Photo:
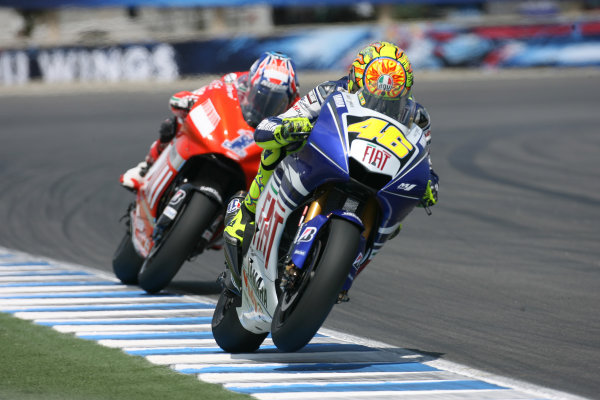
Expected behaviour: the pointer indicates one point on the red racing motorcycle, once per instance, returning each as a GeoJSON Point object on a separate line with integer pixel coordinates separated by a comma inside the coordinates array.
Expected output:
{"type": "Point", "coordinates": [178, 210]}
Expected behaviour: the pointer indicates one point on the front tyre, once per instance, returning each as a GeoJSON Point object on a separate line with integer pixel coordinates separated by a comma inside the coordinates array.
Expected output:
{"type": "Point", "coordinates": [227, 330]}
{"type": "Point", "coordinates": [178, 243]}
{"type": "Point", "coordinates": [302, 310]}
{"type": "Point", "coordinates": [127, 262]}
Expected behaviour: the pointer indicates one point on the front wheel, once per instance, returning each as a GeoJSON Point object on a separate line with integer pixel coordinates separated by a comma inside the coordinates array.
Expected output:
{"type": "Point", "coordinates": [178, 243]}
{"type": "Point", "coordinates": [227, 330]}
{"type": "Point", "coordinates": [302, 309]}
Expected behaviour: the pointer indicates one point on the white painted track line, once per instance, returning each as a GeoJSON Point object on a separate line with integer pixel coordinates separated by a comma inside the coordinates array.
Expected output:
{"type": "Point", "coordinates": [174, 331]}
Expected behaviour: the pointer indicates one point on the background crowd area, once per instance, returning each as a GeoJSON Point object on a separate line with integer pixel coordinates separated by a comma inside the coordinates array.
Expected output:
{"type": "Point", "coordinates": [140, 40]}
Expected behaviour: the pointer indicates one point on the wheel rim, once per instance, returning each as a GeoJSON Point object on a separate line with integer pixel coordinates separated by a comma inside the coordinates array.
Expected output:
{"type": "Point", "coordinates": [290, 298]}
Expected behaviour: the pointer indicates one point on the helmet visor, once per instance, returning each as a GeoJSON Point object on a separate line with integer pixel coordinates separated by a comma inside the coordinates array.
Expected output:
{"type": "Point", "coordinates": [262, 101]}
{"type": "Point", "coordinates": [394, 108]}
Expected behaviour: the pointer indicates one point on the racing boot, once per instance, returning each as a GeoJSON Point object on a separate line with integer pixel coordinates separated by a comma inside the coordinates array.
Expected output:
{"type": "Point", "coordinates": [239, 225]}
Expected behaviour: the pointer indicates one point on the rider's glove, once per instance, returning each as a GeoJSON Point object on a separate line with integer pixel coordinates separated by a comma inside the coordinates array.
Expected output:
{"type": "Point", "coordinates": [292, 130]}
{"type": "Point", "coordinates": [167, 130]}
{"type": "Point", "coordinates": [430, 197]}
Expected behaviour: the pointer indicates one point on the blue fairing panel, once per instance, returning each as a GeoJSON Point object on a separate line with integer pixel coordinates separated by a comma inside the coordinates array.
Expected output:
{"type": "Point", "coordinates": [328, 133]}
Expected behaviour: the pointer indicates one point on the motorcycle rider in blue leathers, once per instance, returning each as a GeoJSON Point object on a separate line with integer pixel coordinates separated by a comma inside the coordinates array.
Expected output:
{"type": "Point", "coordinates": [277, 136]}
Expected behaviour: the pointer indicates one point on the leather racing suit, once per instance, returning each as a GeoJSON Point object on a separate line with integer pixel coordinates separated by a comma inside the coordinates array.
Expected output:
{"type": "Point", "coordinates": [309, 107]}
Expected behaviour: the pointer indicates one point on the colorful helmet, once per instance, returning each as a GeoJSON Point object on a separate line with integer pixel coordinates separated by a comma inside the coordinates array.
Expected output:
{"type": "Point", "coordinates": [272, 87]}
{"type": "Point", "coordinates": [383, 75]}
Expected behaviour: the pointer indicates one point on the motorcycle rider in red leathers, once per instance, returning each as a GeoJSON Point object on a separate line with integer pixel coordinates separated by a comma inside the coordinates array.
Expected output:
{"type": "Point", "coordinates": [275, 133]}
{"type": "Point", "coordinates": [269, 88]}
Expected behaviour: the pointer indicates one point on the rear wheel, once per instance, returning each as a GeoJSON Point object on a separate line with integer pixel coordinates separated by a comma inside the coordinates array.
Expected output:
{"type": "Point", "coordinates": [303, 308]}
{"type": "Point", "coordinates": [178, 243]}
{"type": "Point", "coordinates": [127, 262]}
{"type": "Point", "coordinates": [227, 330]}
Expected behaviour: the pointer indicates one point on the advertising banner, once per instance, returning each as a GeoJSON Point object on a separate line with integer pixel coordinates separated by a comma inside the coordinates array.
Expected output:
{"type": "Point", "coordinates": [429, 46]}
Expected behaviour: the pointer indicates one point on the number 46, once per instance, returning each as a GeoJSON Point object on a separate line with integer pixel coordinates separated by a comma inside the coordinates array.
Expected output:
{"type": "Point", "coordinates": [384, 133]}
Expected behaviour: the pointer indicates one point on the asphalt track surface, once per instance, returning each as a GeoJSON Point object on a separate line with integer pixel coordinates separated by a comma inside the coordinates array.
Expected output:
{"type": "Point", "coordinates": [503, 277]}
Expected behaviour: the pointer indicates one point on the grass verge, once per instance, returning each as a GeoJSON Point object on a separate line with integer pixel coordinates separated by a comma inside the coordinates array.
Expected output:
{"type": "Point", "coordinates": [36, 362]}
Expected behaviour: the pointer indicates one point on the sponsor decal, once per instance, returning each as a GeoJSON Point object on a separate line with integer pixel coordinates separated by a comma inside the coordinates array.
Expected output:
{"type": "Point", "coordinates": [233, 206]}
{"type": "Point", "coordinates": [385, 83]}
{"type": "Point", "coordinates": [230, 78]}
{"type": "Point", "coordinates": [231, 92]}
{"type": "Point", "coordinates": [207, 235]}
{"type": "Point", "coordinates": [177, 197]}
{"type": "Point", "coordinates": [216, 84]}
{"type": "Point", "coordinates": [205, 118]}
{"type": "Point", "coordinates": [267, 125]}
{"type": "Point", "coordinates": [170, 212]}
{"type": "Point", "coordinates": [14, 67]}
{"type": "Point", "coordinates": [106, 64]}
{"type": "Point", "coordinates": [239, 145]}
{"type": "Point", "coordinates": [139, 224]}
{"type": "Point", "coordinates": [358, 260]}
{"type": "Point", "coordinates": [350, 214]}
{"type": "Point", "coordinates": [406, 186]}
{"type": "Point", "coordinates": [376, 156]}
{"type": "Point", "coordinates": [213, 191]}
{"type": "Point", "coordinates": [308, 234]}
{"type": "Point", "coordinates": [267, 226]}
{"type": "Point", "coordinates": [257, 293]}
{"type": "Point", "coordinates": [339, 101]}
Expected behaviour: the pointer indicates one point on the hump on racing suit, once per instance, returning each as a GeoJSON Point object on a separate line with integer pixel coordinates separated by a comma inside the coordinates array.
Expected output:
{"type": "Point", "coordinates": [309, 106]}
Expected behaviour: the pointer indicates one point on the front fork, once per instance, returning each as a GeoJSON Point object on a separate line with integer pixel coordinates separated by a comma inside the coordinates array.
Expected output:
{"type": "Point", "coordinates": [312, 221]}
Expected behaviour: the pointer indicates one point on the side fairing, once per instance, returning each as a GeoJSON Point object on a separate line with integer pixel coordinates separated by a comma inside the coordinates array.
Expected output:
{"type": "Point", "coordinates": [216, 125]}
{"type": "Point", "coordinates": [324, 157]}
{"type": "Point", "coordinates": [403, 193]}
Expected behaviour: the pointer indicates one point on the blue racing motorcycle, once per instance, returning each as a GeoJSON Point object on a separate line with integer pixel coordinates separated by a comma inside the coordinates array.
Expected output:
{"type": "Point", "coordinates": [325, 210]}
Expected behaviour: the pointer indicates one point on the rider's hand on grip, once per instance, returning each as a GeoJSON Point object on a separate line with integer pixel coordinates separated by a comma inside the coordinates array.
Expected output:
{"type": "Point", "coordinates": [167, 130]}
{"type": "Point", "coordinates": [431, 195]}
{"type": "Point", "coordinates": [293, 130]}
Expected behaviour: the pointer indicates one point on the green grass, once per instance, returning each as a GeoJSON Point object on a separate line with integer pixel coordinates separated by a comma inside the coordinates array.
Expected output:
{"type": "Point", "coordinates": [37, 362]}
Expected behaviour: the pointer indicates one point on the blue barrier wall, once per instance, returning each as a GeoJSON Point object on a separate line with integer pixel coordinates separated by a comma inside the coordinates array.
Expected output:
{"type": "Point", "coordinates": [429, 46]}
{"type": "Point", "coordinates": [48, 4]}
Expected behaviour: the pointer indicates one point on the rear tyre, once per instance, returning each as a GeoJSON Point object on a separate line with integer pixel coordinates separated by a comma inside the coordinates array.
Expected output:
{"type": "Point", "coordinates": [127, 262]}
{"type": "Point", "coordinates": [227, 330]}
{"type": "Point", "coordinates": [178, 243]}
{"type": "Point", "coordinates": [302, 310]}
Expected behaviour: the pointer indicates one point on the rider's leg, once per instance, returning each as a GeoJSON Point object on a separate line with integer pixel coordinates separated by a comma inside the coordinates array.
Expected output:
{"type": "Point", "coordinates": [239, 219]}
{"type": "Point", "coordinates": [236, 227]}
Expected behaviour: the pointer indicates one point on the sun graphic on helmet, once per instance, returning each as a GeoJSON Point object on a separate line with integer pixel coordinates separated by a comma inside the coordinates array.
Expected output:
{"type": "Point", "coordinates": [372, 58]}
{"type": "Point", "coordinates": [385, 77]}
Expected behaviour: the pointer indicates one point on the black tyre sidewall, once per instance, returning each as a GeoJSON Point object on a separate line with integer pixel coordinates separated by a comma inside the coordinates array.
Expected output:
{"type": "Point", "coordinates": [227, 330]}
{"type": "Point", "coordinates": [181, 239]}
{"type": "Point", "coordinates": [127, 262]}
{"type": "Point", "coordinates": [322, 291]}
